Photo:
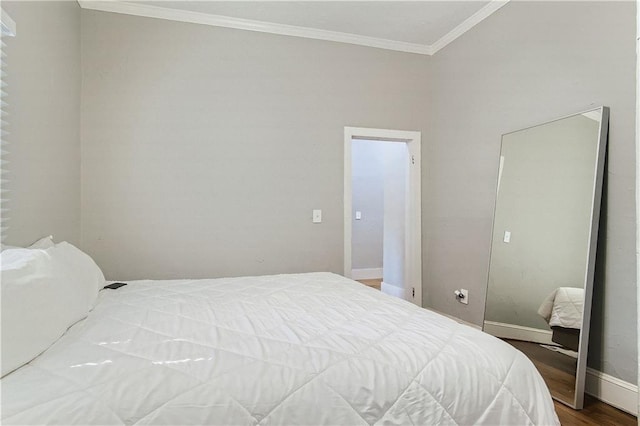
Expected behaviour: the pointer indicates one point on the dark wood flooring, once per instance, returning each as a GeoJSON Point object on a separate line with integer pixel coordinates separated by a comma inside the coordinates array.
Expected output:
{"type": "Point", "coordinates": [594, 413]}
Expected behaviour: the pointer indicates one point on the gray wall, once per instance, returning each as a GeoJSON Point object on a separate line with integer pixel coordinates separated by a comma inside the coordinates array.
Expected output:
{"type": "Point", "coordinates": [528, 63]}
{"type": "Point", "coordinates": [544, 200]}
{"type": "Point", "coordinates": [205, 149]}
{"type": "Point", "coordinates": [368, 198]}
{"type": "Point", "coordinates": [43, 78]}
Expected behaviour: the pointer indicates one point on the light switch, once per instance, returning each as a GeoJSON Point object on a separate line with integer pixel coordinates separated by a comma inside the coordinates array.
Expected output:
{"type": "Point", "coordinates": [507, 236]}
{"type": "Point", "coordinates": [317, 216]}
{"type": "Point", "coordinates": [358, 215]}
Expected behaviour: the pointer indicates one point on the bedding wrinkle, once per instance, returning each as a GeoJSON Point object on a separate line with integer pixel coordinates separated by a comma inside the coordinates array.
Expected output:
{"type": "Point", "coordinates": [61, 397]}
{"type": "Point", "coordinates": [500, 389]}
{"type": "Point", "coordinates": [151, 413]}
{"type": "Point", "coordinates": [349, 404]}
{"type": "Point", "coordinates": [298, 389]}
{"type": "Point", "coordinates": [415, 379]}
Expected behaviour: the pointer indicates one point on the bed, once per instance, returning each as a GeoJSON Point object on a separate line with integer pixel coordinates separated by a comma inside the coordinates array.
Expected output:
{"type": "Point", "coordinates": [562, 310]}
{"type": "Point", "coordinates": [313, 348]}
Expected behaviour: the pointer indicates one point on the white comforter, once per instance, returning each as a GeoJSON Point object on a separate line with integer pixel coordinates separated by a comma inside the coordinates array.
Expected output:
{"type": "Point", "coordinates": [287, 349]}
{"type": "Point", "coordinates": [563, 307]}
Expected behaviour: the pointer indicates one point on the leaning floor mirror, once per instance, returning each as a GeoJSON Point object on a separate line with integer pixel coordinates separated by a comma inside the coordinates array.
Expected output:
{"type": "Point", "coordinates": [543, 249]}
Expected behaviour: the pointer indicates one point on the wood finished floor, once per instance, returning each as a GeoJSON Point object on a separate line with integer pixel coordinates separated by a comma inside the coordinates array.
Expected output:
{"type": "Point", "coordinates": [375, 283]}
{"type": "Point", "coordinates": [594, 413]}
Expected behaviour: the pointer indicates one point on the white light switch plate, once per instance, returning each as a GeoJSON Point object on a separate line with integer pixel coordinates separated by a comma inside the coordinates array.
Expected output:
{"type": "Point", "coordinates": [358, 215]}
{"type": "Point", "coordinates": [507, 236]}
{"type": "Point", "coordinates": [317, 216]}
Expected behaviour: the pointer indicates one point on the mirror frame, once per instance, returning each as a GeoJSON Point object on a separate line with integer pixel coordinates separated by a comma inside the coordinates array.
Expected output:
{"type": "Point", "coordinates": [596, 201]}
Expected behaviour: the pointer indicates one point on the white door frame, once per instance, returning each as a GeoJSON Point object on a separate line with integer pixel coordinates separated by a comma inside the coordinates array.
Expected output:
{"type": "Point", "coordinates": [413, 232]}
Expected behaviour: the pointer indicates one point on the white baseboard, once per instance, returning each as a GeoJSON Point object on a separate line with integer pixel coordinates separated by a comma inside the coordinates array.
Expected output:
{"type": "Point", "coordinates": [394, 291]}
{"type": "Point", "coordinates": [366, 273]}
{"type": "Point", "coordinates": [518, 332]}
{"type": "Point", "coordinates": [613, 391]}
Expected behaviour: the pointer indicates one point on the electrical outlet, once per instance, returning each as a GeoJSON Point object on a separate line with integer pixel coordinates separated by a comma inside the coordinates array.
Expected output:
{"type": "Point", "coordinates": [462, 296]}
{"type": "Point", "coordinates": [465, 293]}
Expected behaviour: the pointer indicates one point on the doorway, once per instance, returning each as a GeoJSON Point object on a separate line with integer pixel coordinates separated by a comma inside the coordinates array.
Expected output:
{"type": "Point", "coordinates": [382, 209]}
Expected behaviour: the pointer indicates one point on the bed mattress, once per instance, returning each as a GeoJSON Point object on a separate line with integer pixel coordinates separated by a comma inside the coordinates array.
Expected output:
{"type": "Point", "coordinates": [285, 349]}
{"type": "Point", "coordinates": [563, 308]}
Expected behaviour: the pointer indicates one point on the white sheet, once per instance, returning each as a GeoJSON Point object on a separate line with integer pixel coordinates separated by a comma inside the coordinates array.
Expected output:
{"type": "Point", "coordinates": [563, 307]}
{"type": "Point", "coordinates": [287, 349]}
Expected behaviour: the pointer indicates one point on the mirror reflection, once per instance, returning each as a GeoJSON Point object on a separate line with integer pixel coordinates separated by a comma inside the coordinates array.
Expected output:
{"type": "Point", "coordinates": [543, 246]}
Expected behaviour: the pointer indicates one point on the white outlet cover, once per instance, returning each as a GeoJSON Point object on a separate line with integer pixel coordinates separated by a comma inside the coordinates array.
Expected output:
{"type": "Point", "coordinates": [465, 299]}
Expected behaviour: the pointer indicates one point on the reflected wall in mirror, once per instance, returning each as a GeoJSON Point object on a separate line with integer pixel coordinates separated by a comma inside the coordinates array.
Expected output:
{"type": "Point", "coordinates": [543, 247]}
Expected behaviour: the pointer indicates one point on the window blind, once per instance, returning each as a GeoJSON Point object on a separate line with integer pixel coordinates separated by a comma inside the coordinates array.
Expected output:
{"type": "Point", "coordinates": [8, 29]}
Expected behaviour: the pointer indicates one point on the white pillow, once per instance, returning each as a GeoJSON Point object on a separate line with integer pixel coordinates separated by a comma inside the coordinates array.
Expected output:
{"type": "Point", "coordinates": [44, 292]}
{"type": "Point", "coordinates": [86, 278]}
{"type": "Point", "coordinates": [42, 244]}
{"type": "Point", "coordinates": [37, 305]}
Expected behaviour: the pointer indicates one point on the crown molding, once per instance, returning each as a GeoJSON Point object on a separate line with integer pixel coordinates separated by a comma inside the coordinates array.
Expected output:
{"type": "Point", "coordinates": [158, 12]}
{"type": "Point", "coordinates": [250, 25]}
{"type": "Point", "coordinates": [467, 24]}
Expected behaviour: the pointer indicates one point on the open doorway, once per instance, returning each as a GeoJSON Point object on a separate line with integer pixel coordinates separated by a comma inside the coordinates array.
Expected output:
{"type": "Point", "coordinates": [383, 210]}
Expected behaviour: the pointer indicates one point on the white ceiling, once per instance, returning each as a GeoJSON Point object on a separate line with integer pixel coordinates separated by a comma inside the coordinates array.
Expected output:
{"type": "Point", "coordinates": [421, 22]}
{"type": "Point", "coordinates": [409, 26]}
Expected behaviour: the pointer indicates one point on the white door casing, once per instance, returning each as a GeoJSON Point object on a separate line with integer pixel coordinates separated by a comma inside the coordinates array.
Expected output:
{"type": "Point", "coordinates": [413, 233]}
